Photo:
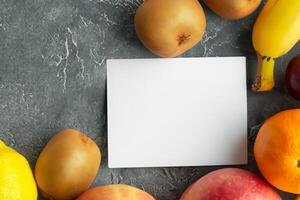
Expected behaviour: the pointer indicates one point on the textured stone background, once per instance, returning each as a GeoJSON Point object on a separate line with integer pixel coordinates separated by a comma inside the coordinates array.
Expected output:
{"type": "Point", "coordinates": [52, 76]}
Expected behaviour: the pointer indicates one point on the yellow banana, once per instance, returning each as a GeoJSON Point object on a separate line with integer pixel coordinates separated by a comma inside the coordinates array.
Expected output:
{"type": "Point", "coordinates": [276, 31]}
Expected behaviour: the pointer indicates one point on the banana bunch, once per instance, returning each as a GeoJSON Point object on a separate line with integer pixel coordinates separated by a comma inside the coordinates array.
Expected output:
{"type": "Point", "coordinates": [276, 31]}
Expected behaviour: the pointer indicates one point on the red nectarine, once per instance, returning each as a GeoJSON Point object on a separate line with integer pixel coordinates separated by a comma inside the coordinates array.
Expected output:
{"type": "Point", "coordinates": [115, 192]}
{"type": "Point", "coordinates": [229, 184]}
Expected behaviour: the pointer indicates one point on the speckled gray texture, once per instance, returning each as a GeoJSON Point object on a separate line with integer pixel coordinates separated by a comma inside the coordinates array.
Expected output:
{"type": "Point", "coordinates": [52, 76]}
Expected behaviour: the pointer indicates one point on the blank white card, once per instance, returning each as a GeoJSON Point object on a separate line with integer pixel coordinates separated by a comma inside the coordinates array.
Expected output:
{"type": "Point", "coordinates": [177, 112]}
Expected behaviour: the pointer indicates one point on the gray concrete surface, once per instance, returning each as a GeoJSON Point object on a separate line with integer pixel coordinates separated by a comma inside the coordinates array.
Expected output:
{"type": "Point", "coordinates": [52, 76]}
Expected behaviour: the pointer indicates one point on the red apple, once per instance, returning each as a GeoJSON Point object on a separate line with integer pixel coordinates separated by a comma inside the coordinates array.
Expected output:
{"type": "Point", "coordinates": [292, 77]}
{"type": "Point", "coordinates": [230, 184]}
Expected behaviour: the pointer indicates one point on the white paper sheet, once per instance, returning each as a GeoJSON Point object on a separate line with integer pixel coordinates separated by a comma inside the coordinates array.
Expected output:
{"type": "Point", "coordinates": [177, 112]}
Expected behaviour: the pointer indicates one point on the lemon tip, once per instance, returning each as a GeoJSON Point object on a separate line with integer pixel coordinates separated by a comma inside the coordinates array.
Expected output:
{"type": "Point", "coordinates": [2, 144]}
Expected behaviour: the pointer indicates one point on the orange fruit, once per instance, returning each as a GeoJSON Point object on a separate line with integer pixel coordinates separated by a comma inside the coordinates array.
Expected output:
{"type": "Point", "coordinates": [277, 150]}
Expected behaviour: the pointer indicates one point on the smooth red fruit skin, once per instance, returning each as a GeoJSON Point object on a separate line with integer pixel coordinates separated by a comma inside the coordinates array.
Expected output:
{"type": "Point", "coordinates": [115, 192]}
{"type": "Point", "coordinates": [230, 184]}
{"type": "Point", "coordinates": [292, 77]}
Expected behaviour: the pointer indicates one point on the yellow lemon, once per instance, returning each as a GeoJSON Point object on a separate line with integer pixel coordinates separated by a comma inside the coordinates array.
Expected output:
{"type": "Point", "coordinates": [16, 179]}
